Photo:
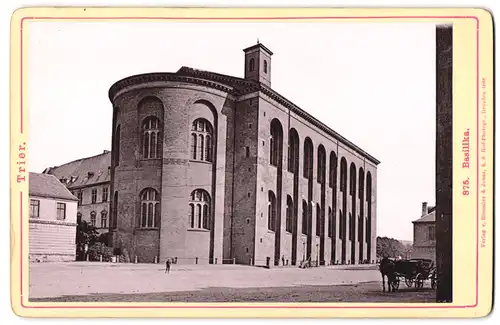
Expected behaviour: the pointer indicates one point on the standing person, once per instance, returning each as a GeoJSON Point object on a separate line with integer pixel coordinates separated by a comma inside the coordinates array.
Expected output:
{"type": "Point", "coordinates": [167, 266]}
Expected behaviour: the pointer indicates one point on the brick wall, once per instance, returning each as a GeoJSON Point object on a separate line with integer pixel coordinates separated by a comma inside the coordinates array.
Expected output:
{"type": "Point", "coordinates": [174, 176]}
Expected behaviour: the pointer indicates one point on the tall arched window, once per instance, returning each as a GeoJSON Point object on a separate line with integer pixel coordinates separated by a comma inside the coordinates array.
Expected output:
{"type": "Point", "coordinates": [361, 194]}
{"type": "Point", "coordinates": [289, 214]}
{"type": "Point", "coordinates": [308, 158]}
{"type": "Point", "coordinates": [304, 217]}
{"type": "Point", "coordinates": [368, 208]}
{"type": "Point", "coordinates": [265, 66]}
{"type": "Point", "coordinates": [271, 212]}
{"type": "Point", "coordinates": [151, 138]}
{"type": "Point", "coordinates": [104, 219]}
{"type": "Point", "coordinates": [201, 140]}
{"type": "Point", "coordinates": [343, 175]}
{"type": "Point", "coordinates": [276, 143]}
{"type": "Point", "coordinates": [321, 164]}
{"type": "Point", "coordinates": [93, 218]}
{"type": "Point", "coordinates": [150, 208]}
{"type": "Point", "coordinates": [293, 151]}
{"type": "Point", "coordinates": [199, 210]}
{"type": "Point", "coordinates": [318, 220]}
{"type": "Point", "coordinates": [333, 171]}
{"type": "Point", "coordinates": [251, 65]}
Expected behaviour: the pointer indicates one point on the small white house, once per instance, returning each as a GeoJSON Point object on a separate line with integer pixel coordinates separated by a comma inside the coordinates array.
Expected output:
{"type": "Point", "coordinates": [52, 220]}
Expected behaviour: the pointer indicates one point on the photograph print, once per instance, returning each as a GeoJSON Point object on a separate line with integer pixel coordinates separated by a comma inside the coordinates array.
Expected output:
{"type": "Point", "coordinates": [239, 161]}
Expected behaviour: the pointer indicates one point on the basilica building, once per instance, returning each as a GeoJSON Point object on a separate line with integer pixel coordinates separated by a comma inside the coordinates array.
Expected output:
{"type": "Point", "coordinates": [211, 168]}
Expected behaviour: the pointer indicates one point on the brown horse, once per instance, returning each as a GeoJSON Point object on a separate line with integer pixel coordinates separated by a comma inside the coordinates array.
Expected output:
{"type": "Point", "coordinates": [387, 268]}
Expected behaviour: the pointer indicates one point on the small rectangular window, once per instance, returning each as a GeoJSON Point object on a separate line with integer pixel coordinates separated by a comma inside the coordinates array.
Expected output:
{"type": "Point", "coordinates": [34, 208]}
{"type": "Point", "coordinates": [61, 211]}
{"type": "Point", "coordinates": [247, 151]}
{"type": "Point", "coordinates": [105, 194]}
{"type": "Point", "coordinates": [432, 233]}
{"type": "Point", "coordinates": [250, 126]}
{"type": "Point", "coordinates": [94, 195]}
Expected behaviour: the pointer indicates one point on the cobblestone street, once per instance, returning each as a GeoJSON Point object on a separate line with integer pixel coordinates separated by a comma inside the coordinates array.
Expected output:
{"type": "Point", "coordinates": [212, 283]}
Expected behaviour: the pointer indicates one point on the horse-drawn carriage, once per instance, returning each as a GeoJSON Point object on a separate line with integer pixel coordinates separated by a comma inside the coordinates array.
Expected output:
{"type": "Point", "coordinates": [415, 272]}
{"type": "Point", "coordinates": [412, 272]}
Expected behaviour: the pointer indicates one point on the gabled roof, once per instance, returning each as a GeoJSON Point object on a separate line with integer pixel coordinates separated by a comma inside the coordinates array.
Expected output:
{"type": "Point", "coordinates": [84, 172]}
{"type": "Point", "coordinates": [48, 186]}
{"type": "Point", "coordinates": [430, 217]}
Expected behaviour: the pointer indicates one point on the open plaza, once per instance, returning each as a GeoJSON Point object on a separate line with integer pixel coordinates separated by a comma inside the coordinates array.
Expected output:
{"type": "Point", "coordinates": [115, 282]}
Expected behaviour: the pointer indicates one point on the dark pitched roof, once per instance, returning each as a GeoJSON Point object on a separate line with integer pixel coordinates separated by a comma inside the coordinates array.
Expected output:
{"type": "Point", "coordinates": [84, 172]}
{"type": "Point", "coordinates": [45, 185]}
{"type": "Point", "coordinates": [430, 217]}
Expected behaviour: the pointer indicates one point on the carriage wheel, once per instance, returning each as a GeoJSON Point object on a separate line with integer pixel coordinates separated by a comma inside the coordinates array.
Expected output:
{"type": "Point", "coordinates": [433, 283]}
{"type": "Point", "coordinates": [419, 281]}
{"type": "Point", "coordinates": [409, 282]}
{"type": "Point", "coordinates": [395, 284]}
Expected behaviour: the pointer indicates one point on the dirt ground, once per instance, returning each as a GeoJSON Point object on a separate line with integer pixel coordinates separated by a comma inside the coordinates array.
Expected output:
{"type": "Point", "coordinates": [102, 282]}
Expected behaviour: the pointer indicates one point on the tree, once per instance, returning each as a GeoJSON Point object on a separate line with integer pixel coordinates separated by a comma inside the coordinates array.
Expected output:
{"type": "Point", "coordinates": [86, 234]}
{"type": "Point", "coordinates": [390, 247]}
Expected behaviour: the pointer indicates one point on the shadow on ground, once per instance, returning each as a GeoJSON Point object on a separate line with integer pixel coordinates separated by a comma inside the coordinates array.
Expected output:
{"type": "Point", "coordinates": [362, 292]}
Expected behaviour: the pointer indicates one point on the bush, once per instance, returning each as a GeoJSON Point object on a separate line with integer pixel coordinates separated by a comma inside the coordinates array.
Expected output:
{"type": "Point", "coordinates": [98, 249]}
{"type": "Point", "coordinates": [124, 257]}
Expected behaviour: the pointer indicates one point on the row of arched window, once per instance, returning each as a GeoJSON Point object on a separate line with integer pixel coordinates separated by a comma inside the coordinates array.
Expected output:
{"type": "Point", "coordinates": [152, 144]}
{"type": "Point", "coordinates": [251, 65]}
{"type": "Point", "coordinates": [276, 144]}
{"type": "Point", "coordinates": [290, 219]}
{"type": "Point", "coordinates": [199, 209]}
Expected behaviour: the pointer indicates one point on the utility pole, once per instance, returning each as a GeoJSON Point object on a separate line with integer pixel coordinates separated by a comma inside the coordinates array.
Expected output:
{"type": "Point", "coordinates": [444, 150]}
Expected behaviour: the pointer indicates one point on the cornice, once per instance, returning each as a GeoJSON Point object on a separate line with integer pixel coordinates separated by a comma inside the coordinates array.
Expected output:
{"type": "Point", "coordinates": [210, 79]}
{"type": "Point", "coordinates": [165, 77]}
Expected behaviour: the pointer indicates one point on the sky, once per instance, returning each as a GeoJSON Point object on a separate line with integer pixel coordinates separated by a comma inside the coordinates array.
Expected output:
{"type": "Point", "coordinates": [374, 83]}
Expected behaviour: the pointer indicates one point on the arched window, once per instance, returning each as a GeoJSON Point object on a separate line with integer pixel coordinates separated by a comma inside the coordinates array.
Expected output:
{"type": "Point", "coordinates": [368, 208]}
{"type": "Point", "coordinates": [361, 194]}
{"type": "Point", "coordinates": [333, 171]}
{"type": "Point", "coordinates": [308, 158]}
{"type": "Point", "coordinates": [199, 210]}
{"type": "Point", "coordinates": [251, 65]}
{"type": "Point", "coordinates": [201, 140]}
{"type": "Point", "coordinates": [104, 219]}
{"type": "Point", "coordinates": [151, 138]}
{"type": "Point", "coordinates": [271, 212]}
{"type": "Point", "coordinates": [93, 218]}
{"type": "Point", "coordinates": [289, 214]}
{"type": "Point", "coordinates": [150, 208]}
{"type": "Point", "coordinates": [318, 220]}
{"type": "Point", "coordinates": [321, 164]}
{"type": "Point", "coordinates": [293, 151]}
{"type": "Point", "coordinates": [304, 217]}
{"type": "Point", "coordinates": [343, 175]}
{"type": "Point", "coordinates": [265, 66]}
{"type": "Point", "coordinates": [276, 143]}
